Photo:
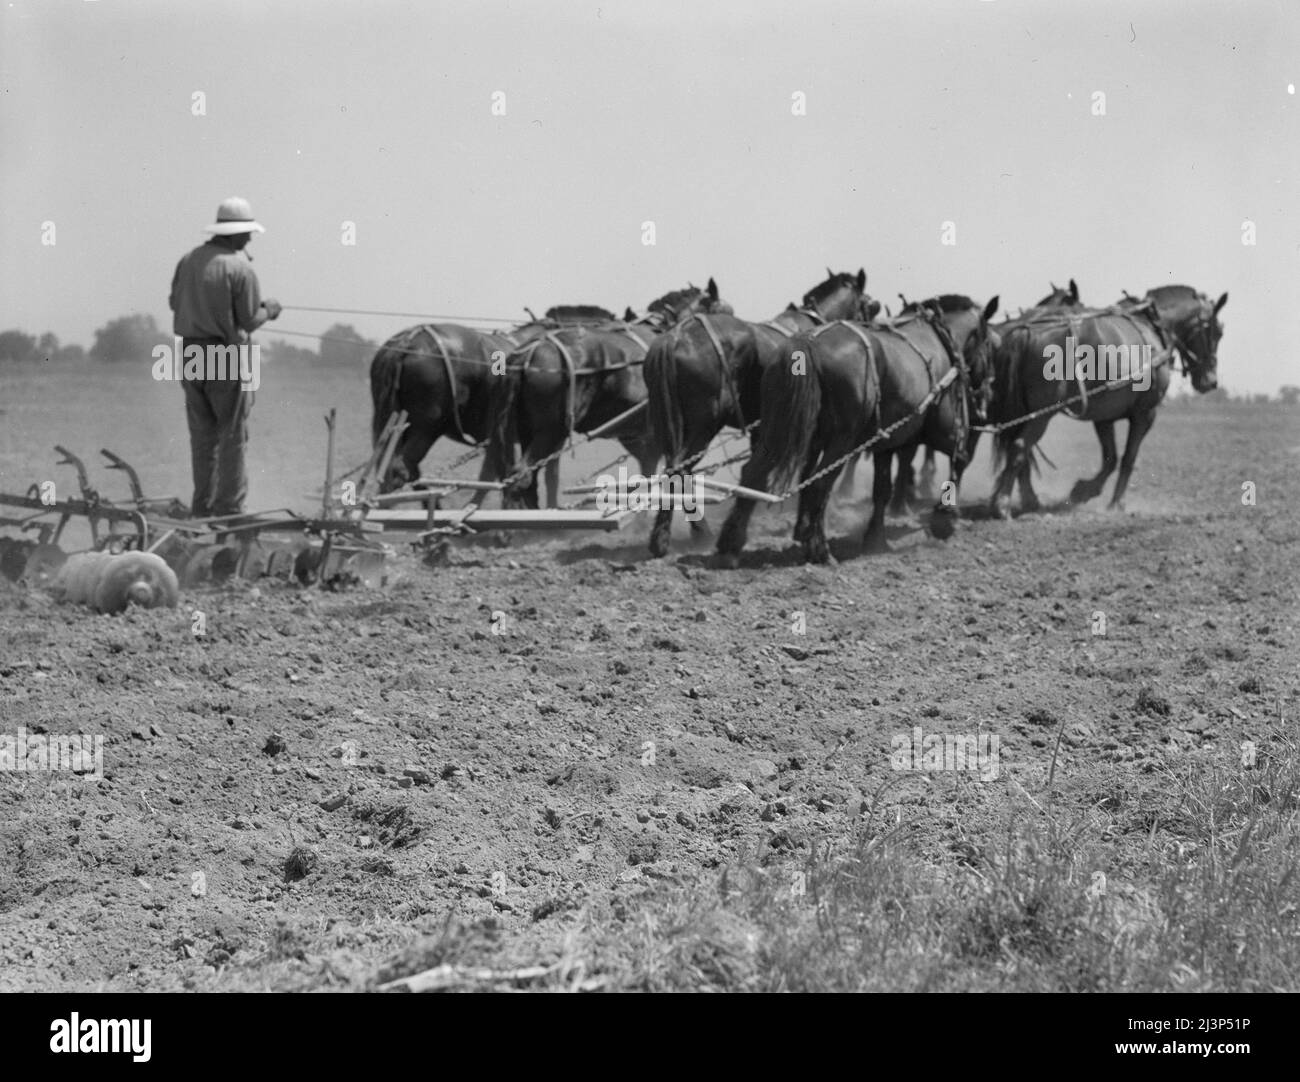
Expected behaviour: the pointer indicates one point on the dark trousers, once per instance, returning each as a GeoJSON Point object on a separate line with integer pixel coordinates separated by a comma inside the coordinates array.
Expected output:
{"type": "Point", "coordinates": [217, 411]}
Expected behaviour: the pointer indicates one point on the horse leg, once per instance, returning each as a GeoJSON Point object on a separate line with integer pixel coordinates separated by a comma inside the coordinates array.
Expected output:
{"type": "Point", "coordinates": [523, 493]}
{"type": "Point", "coordinates": [413, 446]}
{"type": "Point", "coordinates": [905, 482]}
{"type": "Point", "coordinates": [804, 515]}
{"type": "Point", "coordinates": [735, 531]}
{"type": "Point", "coordinates": [925, 493]}
{"type": "Point", "coordinates": [1089, 488]}
{"type": "Point", "coordinates": [943, 522]}
{"type": "Point", "coordinates": [1138, 426]}
{"type": "Point", "coordinates": [1017, 458]}
{"type": "Point", "coordinates": [848, 479]}
{"type": "Point", "coordinates": [1029, 501]}
{"type": "Point", "coordinates": [817, 548]}
{"type": "Point", "coordinates": [485, 473]}
{"type": "Point", "coordinates": [882, 485]}
{"type": "Point", "coordinates": [552, 472]}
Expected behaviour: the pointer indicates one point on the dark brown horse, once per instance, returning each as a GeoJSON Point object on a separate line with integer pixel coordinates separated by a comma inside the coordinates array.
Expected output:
{"type": "Point", "coordinates": [706, 374]}
{"type": "Point", "coordinates": [906, 491]}
{"type": "Point", "coordinates": [440, 374]}
{"type": "Point", "coordinates": [835, 388]}
{"type": "Point", "coordinates": [1117, 361]}
{"type": "Point", "coordinates": [576, 380]}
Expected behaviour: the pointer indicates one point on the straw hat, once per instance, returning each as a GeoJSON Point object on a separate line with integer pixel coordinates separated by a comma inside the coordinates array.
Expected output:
{"type": "Point", "coordinates": [234, 216]}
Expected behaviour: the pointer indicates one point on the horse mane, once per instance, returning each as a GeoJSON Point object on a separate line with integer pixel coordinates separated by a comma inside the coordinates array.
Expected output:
{"type": "Point", "coordinates": [579, 313]}
{"type": "Point", "coordinates": [674, 301]}
{"type": "Point", "coordinates": [832, 284]}
{"type": "Point", "coordinates": [947, 302]}
{"type": "Point", "coordinates": [1165, 294]}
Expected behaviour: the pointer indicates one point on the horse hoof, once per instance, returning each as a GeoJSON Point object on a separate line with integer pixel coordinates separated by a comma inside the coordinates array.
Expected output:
{"type": "Point", "coordinates": [658, 546]}
{"type": "Point", "coordinates": [943, 524]}
{"type": "Point", "coordinates": [818, 553]}
{"type": "Point", "coordinates": [1082, 492]}
{"type": "Point", "coordinates": [725, 561]}
{"type": "Point", "coordinates": [700, 529]}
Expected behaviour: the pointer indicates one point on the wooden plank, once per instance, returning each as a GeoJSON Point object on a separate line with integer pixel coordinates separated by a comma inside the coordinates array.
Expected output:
{"type": "Point", "coordinates": [481, 519]}
{"type": "Point", "coordinates": [453, 483]}
{"type": "Point", "coordinates": [739, 490]}
{"type": "Point", "coordinates": [616, 421]}
{"type": "Point", "coordinates": [423, 496]}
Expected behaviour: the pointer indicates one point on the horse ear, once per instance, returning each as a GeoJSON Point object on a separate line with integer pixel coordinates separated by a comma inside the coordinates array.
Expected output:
{"type": "Point", "coordinates": [830, 273]}
{"type": "Point", "coordinates": [1074, 290]}
{"type": "Point", "coordinates": [629, 316]}
{"type": "Point", "coordinates": [713, 289]}
{"type": "Point", "coordinates": [990, 309]}
{"type": "Point", "coordinates": [862, 279]}
{"type": "Point", "coordinates": [1220, 303]}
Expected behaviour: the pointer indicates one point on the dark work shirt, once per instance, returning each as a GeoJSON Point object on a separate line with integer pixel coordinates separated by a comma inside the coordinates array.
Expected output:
{"type": "Point", "coordinates": [215, 295]}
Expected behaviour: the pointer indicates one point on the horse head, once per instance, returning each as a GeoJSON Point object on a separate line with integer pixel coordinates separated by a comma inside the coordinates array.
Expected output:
{"type": "Point", "coordinates": [1061, 297]}
{"type": "Point", "coordinates": [980, 349]}
{"type": "Point", "coordinates": [841, 296]}
{"type": "Point", "coordinates": [672, 308]}
{"type": "Point", "coordinates": [1192, 321]}
{"type": "Point", "coordinates": [965, 329]}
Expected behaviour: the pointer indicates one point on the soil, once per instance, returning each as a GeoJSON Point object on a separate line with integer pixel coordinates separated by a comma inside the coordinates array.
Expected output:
{"type": "Point", "coordinates": [304, 794]}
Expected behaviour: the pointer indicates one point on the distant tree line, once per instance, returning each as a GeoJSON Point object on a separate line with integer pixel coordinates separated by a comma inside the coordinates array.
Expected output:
{"type": "Point", "coordinates": [1287, 395]}
{"type": "Point", "coordinates": [133, 338]}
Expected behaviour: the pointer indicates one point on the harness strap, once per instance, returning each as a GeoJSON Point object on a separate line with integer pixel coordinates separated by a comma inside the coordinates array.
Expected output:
{"type": "Point", "coordinates": [962, 406]}
{"type": "Point", "coordinates": [635, 337]}
{"type": "Point", "coordinates": [855, 328]}
{"type": "Point", "coordinates": [929, 369]}
{"type": "Point", "coordinates": [570, 371]}
{"type": "Point", "coordinates": [728, 376]}
{"type": "Point", "coordinates": [441, 347]}
{"type": "Point", "coordinates": [872, 366]}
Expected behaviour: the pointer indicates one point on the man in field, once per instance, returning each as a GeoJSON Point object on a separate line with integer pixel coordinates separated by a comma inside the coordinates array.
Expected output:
{"type": "Point", "coordinates": [216, 302]}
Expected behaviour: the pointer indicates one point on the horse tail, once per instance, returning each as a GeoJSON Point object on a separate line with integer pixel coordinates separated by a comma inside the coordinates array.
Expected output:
{"type": "Point", "coordinates": [1009, 392]}
{"type": "Point", "coordinates": [792, 402]}
{"type": "Point", "coordinates": [502, 429]}
{"type": "Point", "coordinates": [665, 407]}
{"type": "Point", "coordinates": [385, 381]}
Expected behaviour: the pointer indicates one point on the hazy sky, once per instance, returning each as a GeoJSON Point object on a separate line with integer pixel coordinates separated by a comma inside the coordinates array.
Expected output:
{"type": "Point", "coordinates": [380, 113]}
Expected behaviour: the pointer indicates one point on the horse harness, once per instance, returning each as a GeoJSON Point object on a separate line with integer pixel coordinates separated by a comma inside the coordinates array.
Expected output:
{"type": "Point", "coordinates": [955, 359]}
{"type": "Point", "coordinates": [572, 371]}
{"type": "Point", "coordinates": [728, 376]}
{"type": "Point", "coordinates": [440, 346]}
{"type": "Point", "coordinates": [861, 334]}
{"type": "Point", "coordinates": [817, 318]}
